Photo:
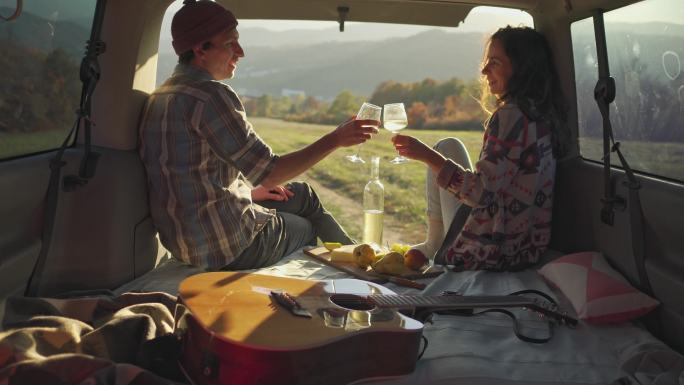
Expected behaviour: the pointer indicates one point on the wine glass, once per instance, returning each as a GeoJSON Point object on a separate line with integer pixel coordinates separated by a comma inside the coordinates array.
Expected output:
{"type": "Point", "coordinates": [394, 119]}
{"type": "Point", "coordinates": [367, 111]}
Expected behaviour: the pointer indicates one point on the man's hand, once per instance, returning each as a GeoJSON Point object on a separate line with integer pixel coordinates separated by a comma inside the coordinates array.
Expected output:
{"type": "Point", "coordinates": [277, 193]}
{"type": "Point", "coordinates": [347, 134]}
{"type": "Point", "coordinates": [413, 148]}
{"type": "Point", "coordinates": [354, 131]}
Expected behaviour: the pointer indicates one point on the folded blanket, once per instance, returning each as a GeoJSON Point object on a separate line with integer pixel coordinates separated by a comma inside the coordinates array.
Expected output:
{"type": "Point", "coordinates": [96, 340]}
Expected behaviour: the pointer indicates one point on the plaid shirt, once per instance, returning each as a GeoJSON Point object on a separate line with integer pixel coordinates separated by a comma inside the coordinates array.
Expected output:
{"type": "Point", "coordinates": [201, 154]}
{"type": "Point", "coordinates": [510, 192]}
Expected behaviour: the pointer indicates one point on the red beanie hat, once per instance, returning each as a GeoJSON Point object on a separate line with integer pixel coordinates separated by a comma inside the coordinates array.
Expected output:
{"type": "Point", "coordinates": [197, 22]}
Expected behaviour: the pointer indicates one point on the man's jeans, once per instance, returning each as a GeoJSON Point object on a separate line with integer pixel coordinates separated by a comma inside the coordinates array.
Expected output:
{"type": "Point", "coordinates": [298, 222]}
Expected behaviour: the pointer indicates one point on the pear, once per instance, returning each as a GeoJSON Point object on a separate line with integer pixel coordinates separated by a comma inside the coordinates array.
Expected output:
{"type": "Point", "coordinates": [392, 263]}
{"type": "Point", "coordinates": [364, 255]}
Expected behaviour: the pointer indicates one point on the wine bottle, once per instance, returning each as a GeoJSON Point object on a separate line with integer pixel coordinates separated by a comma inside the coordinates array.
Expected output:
{"type": "Point", "coordinates": [373, 206]}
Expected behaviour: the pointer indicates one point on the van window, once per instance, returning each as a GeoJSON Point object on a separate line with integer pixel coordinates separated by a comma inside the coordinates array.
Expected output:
{"type": "Point", "coordinates": [299, 79]}
{"type": "Point", "coordinates": [645, 49]}
{"type": "Point", "coordinates": [40, 87]}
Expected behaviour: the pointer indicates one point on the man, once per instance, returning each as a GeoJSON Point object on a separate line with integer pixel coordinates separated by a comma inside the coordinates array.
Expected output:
{"type": "Point", "coordinates": [202, 158]}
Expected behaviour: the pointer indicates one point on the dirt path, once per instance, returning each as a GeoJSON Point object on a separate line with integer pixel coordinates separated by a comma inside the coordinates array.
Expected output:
{"type": "Point", "coordinates": [351, 211]}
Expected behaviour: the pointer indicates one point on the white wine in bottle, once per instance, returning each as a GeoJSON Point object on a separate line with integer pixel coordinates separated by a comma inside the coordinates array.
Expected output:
{"type": "Point", "coordinates": [373, 206]}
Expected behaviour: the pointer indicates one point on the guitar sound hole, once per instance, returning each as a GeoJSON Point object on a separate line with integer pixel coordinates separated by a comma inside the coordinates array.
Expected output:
{"type": "Point", "coordinates": [352, 302]}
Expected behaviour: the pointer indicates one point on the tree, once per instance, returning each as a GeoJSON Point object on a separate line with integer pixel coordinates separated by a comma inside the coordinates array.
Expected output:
{"type": "Point", "coordinates": [417, 114]}
{"type": "Point", "coordinates": [250, 105]}
{"type": "Point", "coordinates": [344, 106]}
{"type": "Point", "coordinates": [264, 105]}
{"type": "Point", "coordinates": [280, 107]}
{"type": "Point", "coordinates": [310, 104]}
{"type": "Point", "coordinates": [452, 87]}
{"type": "Point", "coordinates": [451, 105]}
{"type": "Point", "coordinates": [425, 91]}
{"type": "Point", "coordinates": [390, 92]}
{"type": "Point", "coordinates": [61, 86]}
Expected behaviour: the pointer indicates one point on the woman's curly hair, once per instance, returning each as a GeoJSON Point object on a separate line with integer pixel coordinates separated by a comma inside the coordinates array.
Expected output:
{"type": "Point", "coordinates": [534, 85]}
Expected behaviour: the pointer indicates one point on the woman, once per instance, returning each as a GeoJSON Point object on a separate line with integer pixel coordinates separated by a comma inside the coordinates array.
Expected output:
{"type": "Point", "coordinates": [510, 188]}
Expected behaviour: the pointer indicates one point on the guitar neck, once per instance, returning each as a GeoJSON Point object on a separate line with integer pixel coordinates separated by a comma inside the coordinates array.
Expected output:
{"type": "Point", "coordinates": [448, 302]}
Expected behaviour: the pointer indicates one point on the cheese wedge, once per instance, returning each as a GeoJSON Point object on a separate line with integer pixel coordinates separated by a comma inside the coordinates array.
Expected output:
{"type": "Point", "coordinates": [331, 245]}
{"type": "Point", "coordinates": [345, 253]}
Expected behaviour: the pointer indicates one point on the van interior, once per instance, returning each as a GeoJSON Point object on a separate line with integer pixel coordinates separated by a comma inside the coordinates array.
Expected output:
{"type": "Point", "coordinates": [76, 219]}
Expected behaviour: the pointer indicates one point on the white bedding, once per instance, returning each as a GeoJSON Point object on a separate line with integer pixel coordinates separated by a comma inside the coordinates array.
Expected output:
{"type": "Point", "coordinates": [483, 350]}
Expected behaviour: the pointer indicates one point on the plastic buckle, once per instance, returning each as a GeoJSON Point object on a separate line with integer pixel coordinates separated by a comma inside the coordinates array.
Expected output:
{"type": "Point", "coordinates": [605, 89]}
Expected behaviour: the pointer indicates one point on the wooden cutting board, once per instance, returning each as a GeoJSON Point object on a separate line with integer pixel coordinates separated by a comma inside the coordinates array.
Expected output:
{"type": "Point", "coordinates": [323, 255]}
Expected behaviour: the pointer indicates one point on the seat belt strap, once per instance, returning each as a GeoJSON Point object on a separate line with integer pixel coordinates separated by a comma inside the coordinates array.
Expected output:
{"type": "Point", "coordinates": [49, 213]}
{"type": "Point", "coordinates": [604, 94]}
{"type": "Point", "coordinates": [90, 74]}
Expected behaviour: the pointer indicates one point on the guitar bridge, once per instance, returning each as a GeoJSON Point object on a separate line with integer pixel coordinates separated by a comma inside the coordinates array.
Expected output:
{"type": "Point", "coordinates": [290, 303]}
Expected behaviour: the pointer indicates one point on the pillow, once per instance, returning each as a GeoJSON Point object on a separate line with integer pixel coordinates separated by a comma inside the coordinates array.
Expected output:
{"type": "Point", "coordinates": [599, 294]}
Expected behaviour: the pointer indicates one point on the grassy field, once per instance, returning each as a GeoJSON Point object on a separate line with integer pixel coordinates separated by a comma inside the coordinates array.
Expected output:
{"type": "Point", "coordinates": [663, 159]}
{"type": "Point", "coordinates": [404, 184]}
{"type": "Point", "coordinates": [26, 143]}
{"type": "Point", "coordinates": [340, 183]}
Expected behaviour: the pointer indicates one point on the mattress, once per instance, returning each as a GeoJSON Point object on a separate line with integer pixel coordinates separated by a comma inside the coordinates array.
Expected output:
{"type": "Point", "coordinates": [483, 349]}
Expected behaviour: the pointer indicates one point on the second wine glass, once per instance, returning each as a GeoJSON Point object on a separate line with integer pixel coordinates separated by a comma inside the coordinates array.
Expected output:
{"type": "Point", "coordinates": [367, 111]}
{"type": "Point", "coordinates": [394, 119]}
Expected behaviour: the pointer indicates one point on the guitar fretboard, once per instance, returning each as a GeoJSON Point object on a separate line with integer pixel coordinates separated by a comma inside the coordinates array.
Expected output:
{"type": "Point", "coordinates": [452, 302]}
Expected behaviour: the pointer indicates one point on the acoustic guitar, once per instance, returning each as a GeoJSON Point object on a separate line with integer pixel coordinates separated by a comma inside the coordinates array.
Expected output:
{"type": "Point", "coordinates": [243, 328]}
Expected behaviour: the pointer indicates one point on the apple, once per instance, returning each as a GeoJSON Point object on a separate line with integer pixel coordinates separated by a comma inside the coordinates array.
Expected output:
{"type": "Point", "coordinates": [414, 259]}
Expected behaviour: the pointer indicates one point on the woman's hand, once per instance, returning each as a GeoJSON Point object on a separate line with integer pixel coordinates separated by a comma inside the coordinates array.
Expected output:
{"type": "Point", "coordinates": [413, 148]}
{"type": "Point", "coordinates": [277, 193]}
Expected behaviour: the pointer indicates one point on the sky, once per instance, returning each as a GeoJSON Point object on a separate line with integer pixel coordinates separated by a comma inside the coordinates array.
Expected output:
{"type": "Point", "coordinates": [650, 10]}
{"type": "Point", "coordinates": [481, 19]}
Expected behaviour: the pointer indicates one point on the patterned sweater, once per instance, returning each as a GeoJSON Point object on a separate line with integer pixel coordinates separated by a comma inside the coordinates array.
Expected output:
{"type": "Point", "coordinates": [510, 192]}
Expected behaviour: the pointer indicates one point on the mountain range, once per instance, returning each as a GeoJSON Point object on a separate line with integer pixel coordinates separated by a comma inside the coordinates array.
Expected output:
{"type": "Point", "coordinates": [323, 69]}
{"type": "Point", "coordinates": [324, 62]}
{"type": "Point", "coordinates": [321, 63]}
